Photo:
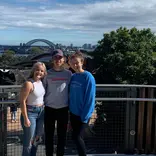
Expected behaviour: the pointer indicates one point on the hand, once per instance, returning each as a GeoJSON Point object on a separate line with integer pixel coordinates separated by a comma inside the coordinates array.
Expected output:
{"type": "Point", "coordinates": [27, 123]}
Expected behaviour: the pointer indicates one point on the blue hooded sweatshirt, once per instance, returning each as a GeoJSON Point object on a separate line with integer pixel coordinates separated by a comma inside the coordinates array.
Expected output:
{"type": "Point", "coordinates": [82, 95]}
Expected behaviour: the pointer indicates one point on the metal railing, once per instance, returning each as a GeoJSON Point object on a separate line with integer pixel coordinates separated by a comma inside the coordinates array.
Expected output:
{"type": "Point", "coordinates": [124, 121]}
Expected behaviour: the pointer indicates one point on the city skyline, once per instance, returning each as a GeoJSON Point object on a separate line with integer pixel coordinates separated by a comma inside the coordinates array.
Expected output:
{"type": "Point", "coordinates": [41, 43]}
{"type": "Point", "coordinates": [71, 22]}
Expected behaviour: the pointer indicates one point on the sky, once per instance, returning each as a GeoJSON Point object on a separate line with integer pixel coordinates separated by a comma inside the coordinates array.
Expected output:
{"type": "Point", "coordinates": [71, 21]}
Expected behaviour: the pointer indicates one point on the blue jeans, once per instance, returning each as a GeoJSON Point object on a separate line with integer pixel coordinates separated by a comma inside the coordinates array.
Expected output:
{"type": "Point", "coordinates": [36, 117]}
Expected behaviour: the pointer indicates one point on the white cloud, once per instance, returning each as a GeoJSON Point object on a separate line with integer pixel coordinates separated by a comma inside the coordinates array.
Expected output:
{"type": "Point", "coordinates": [92, 17]}
{"type": "Point", "coordinates": [2, 27]}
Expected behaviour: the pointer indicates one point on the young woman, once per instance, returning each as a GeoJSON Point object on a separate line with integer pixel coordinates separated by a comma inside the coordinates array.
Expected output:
{"type": "Point", "coordinates": [82, 100]}
{"type": "Point", "coordinates": [56, 103]}
{"type": "Point", "coordinates": [31, 101]}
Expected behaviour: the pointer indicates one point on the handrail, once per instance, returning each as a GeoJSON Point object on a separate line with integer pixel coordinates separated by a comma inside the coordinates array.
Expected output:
{"type": "Point", "coordinates": [10, 86]}
{"type": "Point", "coordinates": [97, 85]}
{"type": "Point", "coordinates": [126, 99]}
{"type": "Point", "coordinates": [9, 101]}
{"type": "Point", "coordinates": [97, 99]}
{"type": "Point", "coordinates": [126, 85]}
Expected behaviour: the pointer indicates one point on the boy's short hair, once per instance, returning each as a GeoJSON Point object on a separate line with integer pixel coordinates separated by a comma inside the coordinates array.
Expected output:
{"type": "Point", "coordinates": [79, 55]}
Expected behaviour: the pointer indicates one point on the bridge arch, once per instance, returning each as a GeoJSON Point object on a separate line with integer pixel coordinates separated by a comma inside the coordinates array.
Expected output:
{"type": "Point", "coordinates": [51, 44]}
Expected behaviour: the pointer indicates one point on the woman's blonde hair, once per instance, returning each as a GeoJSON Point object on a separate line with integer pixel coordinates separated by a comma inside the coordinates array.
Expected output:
{"type": "Point", "coordinates": [34, 68]}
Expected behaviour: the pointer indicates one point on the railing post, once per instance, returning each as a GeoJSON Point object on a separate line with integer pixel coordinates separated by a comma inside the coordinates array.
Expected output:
{"type": "Point", "coordinates": [132, 125]}
{"type": "Point", "coordinates": [3, 125]}
{"type": "Point", "coordinates": [3, 130]}
{"type": "Point", "coordinates": [127, 121]}
{"type": "Point", "coordinates": [130, 121]}
{"type": "Point", "coordinates": [140, 120]}
{"type": "Point", "coordinates": [155, 134]}
{"type": "Point", "coordinates": [1, 135]}
{"type": "Point", "coordinates": [149, 121]}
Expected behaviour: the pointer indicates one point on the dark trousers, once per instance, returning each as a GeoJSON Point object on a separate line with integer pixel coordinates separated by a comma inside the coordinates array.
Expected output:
{"type": "Point", "coordinates": [78, 133]}
{"type": "Point", "coordinates": [51, 116]}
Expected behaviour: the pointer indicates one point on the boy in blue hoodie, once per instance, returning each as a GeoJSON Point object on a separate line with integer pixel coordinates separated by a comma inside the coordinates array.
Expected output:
{"type": "Point", "coordinates": [81, 100]}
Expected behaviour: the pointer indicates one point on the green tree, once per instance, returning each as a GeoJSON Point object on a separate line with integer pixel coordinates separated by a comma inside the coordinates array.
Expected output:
{"type": "Point", "coordinates": [7, 58]}
{"type": "Point", "coordinates": [35, 51]}
{"type": "Point", "coordinates": [9, 52]}
{"type": "Point", "coordinates": [127, 54]}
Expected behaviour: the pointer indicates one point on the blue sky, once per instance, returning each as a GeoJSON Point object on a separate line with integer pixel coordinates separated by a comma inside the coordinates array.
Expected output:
{"type": "Point", "coordinates": [71, 21]}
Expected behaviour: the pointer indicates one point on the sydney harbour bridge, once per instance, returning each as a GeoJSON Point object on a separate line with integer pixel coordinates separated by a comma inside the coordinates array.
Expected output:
{"type": "Point", "coordinates": [22, 48]}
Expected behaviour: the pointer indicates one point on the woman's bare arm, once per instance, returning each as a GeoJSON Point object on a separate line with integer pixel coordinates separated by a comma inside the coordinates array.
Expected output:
{"type": "Point", "coordinates": [25, 91]}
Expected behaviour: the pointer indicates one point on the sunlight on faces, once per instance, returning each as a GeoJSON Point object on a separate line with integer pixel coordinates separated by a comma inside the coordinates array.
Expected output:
{"type": "Point", "coordinates": [58, 61]}
{"type": "Point", "coordinates": [76, 63]}
{"type": "Point", "coordinates": [39, 72]}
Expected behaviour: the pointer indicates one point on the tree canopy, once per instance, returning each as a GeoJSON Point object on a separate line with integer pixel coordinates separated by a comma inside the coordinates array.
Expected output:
{"type": "Point", "coordinates": [35, 51]}
{"type": "Point", "coordinates": [7, 57]}
{"type": "Point", "coordinates": [127, 55]}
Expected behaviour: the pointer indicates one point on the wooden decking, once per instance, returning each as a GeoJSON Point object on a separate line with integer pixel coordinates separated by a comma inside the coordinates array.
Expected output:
{"type": "Point", "coordinates": [13, 126]}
